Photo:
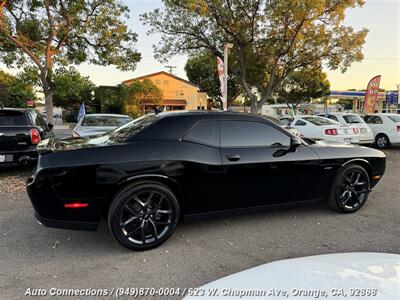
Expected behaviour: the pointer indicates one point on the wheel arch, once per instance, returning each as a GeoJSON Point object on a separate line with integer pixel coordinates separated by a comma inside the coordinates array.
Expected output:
{"type": "Point", "coordinates": [362, 163]}
{"type": "Point", "coordinates": [163, 179]}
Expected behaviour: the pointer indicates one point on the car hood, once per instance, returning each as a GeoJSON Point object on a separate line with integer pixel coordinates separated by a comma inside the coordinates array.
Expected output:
{"type": "Point", "coordinates": [327, 273]}
{"type": "Point", "coordinates": [72, 143]}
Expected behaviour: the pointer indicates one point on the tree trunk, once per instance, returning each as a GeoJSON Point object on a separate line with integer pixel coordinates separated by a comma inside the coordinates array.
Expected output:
{"type": "Point", "coordinates": [48, 104]}
{"type": "Point", "coordinates": [254, 107]}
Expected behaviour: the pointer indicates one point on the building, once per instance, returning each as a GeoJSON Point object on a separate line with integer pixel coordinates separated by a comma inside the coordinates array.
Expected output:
{"type": "Point", "coordinates": [280, 110]}
{"type": "Point", "coordinates": [178, 93]}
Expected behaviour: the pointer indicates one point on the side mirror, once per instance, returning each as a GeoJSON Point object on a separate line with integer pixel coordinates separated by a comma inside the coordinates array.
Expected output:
{"type": "Point", "coordinates": [50, 126]}
{"type": "Point", "coordinates": [72, 126]}
{"type": "Point", "coordinates": [294, 144]}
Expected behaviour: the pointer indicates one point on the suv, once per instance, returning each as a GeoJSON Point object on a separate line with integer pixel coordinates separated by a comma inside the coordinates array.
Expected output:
{"type": "Point", "coordinates": [20, 132]}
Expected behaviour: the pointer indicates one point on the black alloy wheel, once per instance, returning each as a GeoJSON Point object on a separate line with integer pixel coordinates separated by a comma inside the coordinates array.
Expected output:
{"type": "Point", "coordinates": [350, 189]}
{"type": "Point", "coordinates": [143, 215]}
{"type": "Point", "coordinates": [382, 141]}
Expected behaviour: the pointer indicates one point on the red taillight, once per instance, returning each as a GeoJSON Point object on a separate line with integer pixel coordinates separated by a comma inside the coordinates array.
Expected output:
{"type": "Point", "coordinates": [398, 127]}
{"type": "Point", "coordinates": [332, 131]}
{"type": "Point", "coordinates": [76, 205]}
{"type": "Point", "coordinates": [35, 136]}
{"type": "Point", "coordinates": [355, 130]}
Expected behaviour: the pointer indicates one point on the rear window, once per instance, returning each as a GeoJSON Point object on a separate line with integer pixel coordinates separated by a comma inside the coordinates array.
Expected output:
{"type": "Point", "coordinates": [104, 121]}
{"type": "Point", "coordinates": [394, 118]}
{"type": "Point", "coordinates": [129, 129]}
{"type": "Point", "coordinates": [12, 118]}
{"type": "Point", "coordinates": [352, 119]}
{"type": "Point", "coordinates": [320, 121]}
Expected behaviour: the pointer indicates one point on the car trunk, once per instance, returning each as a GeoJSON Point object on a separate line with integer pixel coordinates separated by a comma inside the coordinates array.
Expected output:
{"type": "Point", "coordinates": [14, 130]}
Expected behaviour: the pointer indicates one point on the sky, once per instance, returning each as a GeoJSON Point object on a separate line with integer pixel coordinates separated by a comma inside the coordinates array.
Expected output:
{"type": "Point", "coordinates": [381, 50]}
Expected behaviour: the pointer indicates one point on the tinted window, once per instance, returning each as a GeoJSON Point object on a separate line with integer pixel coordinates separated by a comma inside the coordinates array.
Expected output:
{"type": "Point", "coordinates": [320, 121]}
{"type": "Point", "coordinates": [251, 134]}
{"type": "Point", "coordinates": [373, 120]}
{"type": "Point", "coordinates": [104, 121]}
{"type": "Point", "coordinates": [332, 117]}
{"type": "Point", "coordinates": [126, 131]}
{"type": "Point", "coordinates": [300, 123]}
{"type": "Point", "coordinates": [352, 119]}
{"type": "Point", "coordinates": [204, 133]}
{"type": "Point", "coordinates": [394, 118]}
{"type": "Point", "coordinates": [286, 121]}
{"type": "Point", "coordinates": [12, 118]}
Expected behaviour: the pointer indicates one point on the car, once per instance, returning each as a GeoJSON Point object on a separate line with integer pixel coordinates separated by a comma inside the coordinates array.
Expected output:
{"type": "Point", "coordinates": [21, 130]}
{"type": "Point", "coordinates": [319, 128]}
{"type": "Point", "coordinates": [292, 130]}
{"type": "Point", "coordinates": [366, 136]}
{"type": "Point", "coordinates": [357, 275]}
{"type": "Point", "coordinates": [148, 174]}
{"type": "Point", "coordinates": [386, 128]}
{"type": "Point", "coordinates": [96, 124]}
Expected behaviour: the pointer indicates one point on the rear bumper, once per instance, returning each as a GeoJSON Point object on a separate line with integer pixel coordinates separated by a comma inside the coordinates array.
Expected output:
{"type": "Point", "coordinates": [19, 157]}
{"type": "Point", "coordinates": [63, 224]}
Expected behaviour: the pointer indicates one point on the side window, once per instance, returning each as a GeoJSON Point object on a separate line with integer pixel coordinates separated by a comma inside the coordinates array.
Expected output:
{"type": "Point", "coordinates": [206, 133]}
{"type": "Point", "coordinates": [373, 120]}
{"type": "Point", "coordinates": [300, 123]}
{"type": "Point", "coordinates": [332, 117]}
{"type": "Point", "coordinates": [285, 121]}
{"type": "Point", "coordinates": [251, 134]}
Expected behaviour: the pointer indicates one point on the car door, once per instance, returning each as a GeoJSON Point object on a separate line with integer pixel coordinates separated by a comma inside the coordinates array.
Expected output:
{"type": "Point", "coordinates": [256, 171]}
{"type": "Point", "coordinates": [375, 123]}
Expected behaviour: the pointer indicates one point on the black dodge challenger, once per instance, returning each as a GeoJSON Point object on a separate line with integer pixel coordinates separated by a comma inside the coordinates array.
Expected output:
{"type": "Point", "coordinates": [155, 170]}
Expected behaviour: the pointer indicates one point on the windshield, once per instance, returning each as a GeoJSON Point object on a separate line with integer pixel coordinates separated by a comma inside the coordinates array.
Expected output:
{"type": "Point", "coordinates": [351, 119]}
{"type": "Point", "coordinates": [124, 132]}
{"type": "Point", "coordinates": [93, 120]}
{"type": "Point", "coordinates": [320, 121]}
{"type": "Point", "coordinates": [395, 118]}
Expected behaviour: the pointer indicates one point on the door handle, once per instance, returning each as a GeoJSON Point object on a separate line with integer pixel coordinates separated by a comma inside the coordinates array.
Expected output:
{"type": "Point", "coordinates": [233, 157]}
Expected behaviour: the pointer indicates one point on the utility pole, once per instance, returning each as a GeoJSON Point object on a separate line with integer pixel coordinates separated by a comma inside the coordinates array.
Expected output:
{"type": "Point", "coordinates": [227, 46]}
{"type": "Point", "coordinates": [170, 68]}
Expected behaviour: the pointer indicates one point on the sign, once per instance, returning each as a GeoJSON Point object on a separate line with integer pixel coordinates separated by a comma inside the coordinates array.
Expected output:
{"type": "Point", "coordinates": [371, 95]}
{"type": "Point", "coordinates": [220, 68]}
{"type": "Point", "coordinates": [392, 97]}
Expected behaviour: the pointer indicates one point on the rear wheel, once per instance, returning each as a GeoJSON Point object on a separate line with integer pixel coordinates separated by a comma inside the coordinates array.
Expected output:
{"type": "Point", "coordinates": [350, 189]}
{"type": "Point", "coordinates": [382, 141]}
{"type": "Point", "coordinates": [143, 215]}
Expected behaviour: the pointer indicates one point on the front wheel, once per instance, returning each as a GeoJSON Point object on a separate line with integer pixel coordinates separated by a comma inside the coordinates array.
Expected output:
{"type": "Point", "coordinates": [143, 215]}
{"type": "Point", "coordinates": [350, 189]}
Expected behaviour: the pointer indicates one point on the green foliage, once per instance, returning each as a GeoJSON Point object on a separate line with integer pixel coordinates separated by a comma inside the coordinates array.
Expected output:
{"type": "Point", "coordinates": [271, 39]}
{"type": "Point", "coordinates": [51, 34]}
{"type": "Point", "coordinates": [202, 70]}
{"type": "Point", "coordinates": [15, 91]}
{"type": "Point", "coordinates": [110, 100]}
{"type": "Point", "coordinates": [303, 86]}
{"type": "Point", "coordinates": [71, 88]}
{"type": "Point", "coordinates": [138, 94]}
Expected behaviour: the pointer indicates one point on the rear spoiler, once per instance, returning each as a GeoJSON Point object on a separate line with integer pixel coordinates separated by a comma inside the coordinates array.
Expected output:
{"type": "Point", "coordinates": [46, 146]}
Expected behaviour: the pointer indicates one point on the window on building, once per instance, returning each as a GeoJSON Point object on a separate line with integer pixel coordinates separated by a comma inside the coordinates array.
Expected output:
{"type": "Point", "coordinates": [158, 81]}
{"type": "Point", "coordinates": [251, 134]}
{"type": "Point", "coordinates": [206, 133]}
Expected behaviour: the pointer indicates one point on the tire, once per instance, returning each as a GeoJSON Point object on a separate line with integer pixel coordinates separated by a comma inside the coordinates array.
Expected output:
{"type": "Point", "coordinates": [382, 141]}
{"type": "Point", "coordinates": [143, 215]}
{"type": "Point", "coordinates": [350, 189]}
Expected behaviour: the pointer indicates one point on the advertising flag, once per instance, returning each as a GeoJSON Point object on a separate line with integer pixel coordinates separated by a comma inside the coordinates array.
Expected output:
{"type": "Point", "coordinates": [220, 68]}
{"type": "Point", "coordinates": [82, 111]}
{"type": "Point", "coordinates": [371, 95]}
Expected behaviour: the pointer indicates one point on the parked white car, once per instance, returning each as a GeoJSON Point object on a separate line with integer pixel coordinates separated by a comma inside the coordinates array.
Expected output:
{"type": "Point", "coordinates": [95, 124]}
{"type": "Point", "coordinates": [386, 128]}
{"type": "Point", "coordinates": [319, 128]}
{"type": "Point", "coordinates": [359, 275]}
{"type": "Point", "coordinates": [366, 136]}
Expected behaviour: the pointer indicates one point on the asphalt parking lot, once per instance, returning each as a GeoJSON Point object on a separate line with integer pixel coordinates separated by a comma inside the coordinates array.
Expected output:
{"type": "Point", "coordinates": [32, 256]}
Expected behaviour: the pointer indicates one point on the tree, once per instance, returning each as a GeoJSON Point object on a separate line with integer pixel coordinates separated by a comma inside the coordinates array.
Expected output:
{"type": "Point", "coordinates": [202, 70]}
{"type": "Point", "coordinates": [49, 33]}
{"type": "Point", "coordinates": [15, 90]}
{"type": "Point", "coordinates": [138, 94]}
{"type": "Point", "coordinates": [271, 38]}
{"type": "Point", "coordinates": [303, 86]}
{"type": "Point", "coordinates": [71, 88]}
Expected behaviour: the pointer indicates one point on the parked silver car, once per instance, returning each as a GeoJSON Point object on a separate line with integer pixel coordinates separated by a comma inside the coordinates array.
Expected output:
{"type": "Point", "coordinates": [95, 124]}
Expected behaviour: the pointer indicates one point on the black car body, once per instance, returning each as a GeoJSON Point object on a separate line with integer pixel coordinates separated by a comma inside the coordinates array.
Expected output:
{"type": "Point", "coordinates": [210, 161]}
{"type": "Point", "coordinates": [21, 130]}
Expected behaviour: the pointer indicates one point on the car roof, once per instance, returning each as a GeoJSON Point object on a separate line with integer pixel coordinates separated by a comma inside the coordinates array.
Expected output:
{"type": "Point", "coordinates": [106, 115]}
{"type": "Point", "coordinates": [342, 113]}
{"type": "Point", "coordinates": [210, 114]}
{"type": "Point", "coordinates": [15, 109]}
{"type": "Point", "coordinates": [383, 114]}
